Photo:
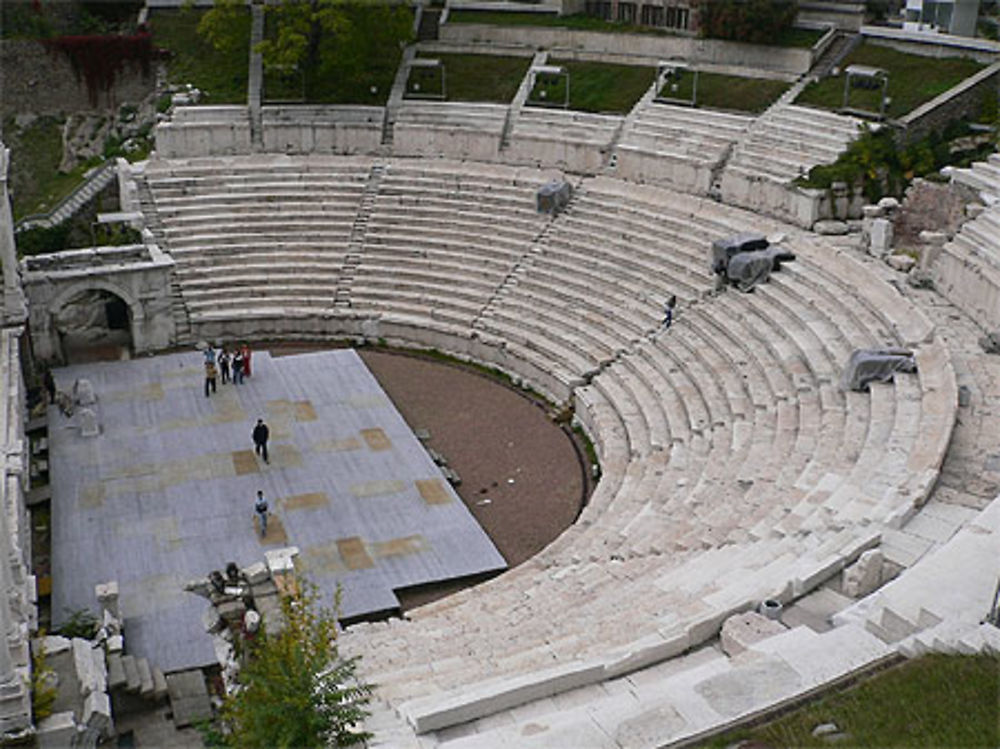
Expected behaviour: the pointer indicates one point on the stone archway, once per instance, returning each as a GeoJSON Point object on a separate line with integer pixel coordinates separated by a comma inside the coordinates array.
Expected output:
{"type": "Point", "coordinates": [93, 324]}
{"type": "Point", "coordinates": [99, 303]}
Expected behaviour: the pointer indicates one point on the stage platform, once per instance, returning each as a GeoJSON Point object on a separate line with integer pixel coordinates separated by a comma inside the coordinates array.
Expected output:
{"type": "Point", "coordinates": [165, 493]}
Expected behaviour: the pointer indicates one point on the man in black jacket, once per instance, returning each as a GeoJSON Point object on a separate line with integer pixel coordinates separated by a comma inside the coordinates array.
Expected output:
{"type": "Point", "coordinates": [260, 435]}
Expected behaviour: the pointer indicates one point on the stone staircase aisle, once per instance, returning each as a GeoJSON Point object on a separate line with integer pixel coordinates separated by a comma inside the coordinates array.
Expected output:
{"type": "Point", "coordinates": [131, 675]}
{"type": "Point", "coordinates": [356, 244]}
{"type": "Point", "coordinates": [255, 78]}
{"type": "Point", "coordinates": [395, 100]}
{"type": "Point", "coordinates": [178, 307]}
{"type": "Point", "coordinates": [844, 43]}
{"type": "Point", "coordinates": [100, 178]}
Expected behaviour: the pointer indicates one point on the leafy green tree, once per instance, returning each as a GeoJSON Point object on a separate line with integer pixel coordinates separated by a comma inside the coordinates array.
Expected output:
{"type": "Point", "coordinates": [324, 39]}
{"type": "Point", "coordinates": [295, 689]}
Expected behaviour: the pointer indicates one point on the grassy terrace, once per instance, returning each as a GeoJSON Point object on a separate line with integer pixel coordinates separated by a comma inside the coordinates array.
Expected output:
{"type": "Point", "coordinates": [934, 701]}
{"type": "Point", "coordinates": [719, 91]}
{"type": "Point", "coordinates": [595, 86]}
{"type": "Point", "coordinates": [913, 80]}
{"type": "Point", "coordinates": [221, 77]}
{"type": "Point", "coordinates": [792, 38]}
{"type": "Point", "coordinates": [489, 78]}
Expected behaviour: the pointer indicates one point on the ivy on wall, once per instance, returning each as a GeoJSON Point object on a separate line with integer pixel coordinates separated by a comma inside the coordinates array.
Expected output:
{"type": "Point", "coordinates": [99, 59]}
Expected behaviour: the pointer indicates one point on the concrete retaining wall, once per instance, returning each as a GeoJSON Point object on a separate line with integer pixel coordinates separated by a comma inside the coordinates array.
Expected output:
{"type": "Point", "coordinates": [676, 172]}
{"type": "Point", "coordinates": [972, 284]}
{"type": "Point", "coordinates": [639, 49]}
{"type": "Point", "coordinates": [417, 139]}
{"type": "Point", "coordinates": [225, 131]}
{"type": "Point", "coordinates": [540, 151]}
{"type": "Point", "coordinates": [930, 44]}
{"type": "Point", "coordinates": [964, 101]}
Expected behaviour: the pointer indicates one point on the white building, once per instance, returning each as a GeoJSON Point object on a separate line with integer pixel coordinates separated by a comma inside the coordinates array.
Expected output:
{"type": "Point", "coordinates": [946, 16]}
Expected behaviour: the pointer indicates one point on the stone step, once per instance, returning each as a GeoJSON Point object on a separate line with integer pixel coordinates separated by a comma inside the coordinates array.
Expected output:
{"type": "Point", "coordinates": [117, 677]}
{"type": "Point", "coordinates": [146, 685]}
{"type": "Point", "coordinates": [159, 684]}
{"type": "Point", "coordinates": [133, 679]}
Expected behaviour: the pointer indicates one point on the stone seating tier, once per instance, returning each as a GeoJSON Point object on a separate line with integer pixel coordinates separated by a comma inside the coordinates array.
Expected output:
{"type": "Point", "coordinates": [564, 126]}
{"type": "Point", "coordinates": [982, 175]}
{"type": "Point", "coordinates": [733, 467]}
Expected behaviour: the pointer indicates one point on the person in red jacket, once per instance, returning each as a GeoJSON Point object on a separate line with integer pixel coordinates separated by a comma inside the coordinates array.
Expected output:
{"type": "Point", "coordinates": [246, 360]}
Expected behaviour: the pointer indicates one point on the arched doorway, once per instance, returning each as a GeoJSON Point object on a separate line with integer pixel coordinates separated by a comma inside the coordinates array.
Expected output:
{"type": "Point", "coordinates": [94, 325]}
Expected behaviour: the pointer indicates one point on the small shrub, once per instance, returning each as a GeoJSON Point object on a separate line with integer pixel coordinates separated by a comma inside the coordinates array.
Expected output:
{"type": "Point", "coordinates": [43, 690]}
{"type": "Point", "coordinates": [41, 240]}
{"type": "Point", "coordinates": [80, 623]}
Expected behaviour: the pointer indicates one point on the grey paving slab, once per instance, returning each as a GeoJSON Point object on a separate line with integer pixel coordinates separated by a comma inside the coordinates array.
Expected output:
{"type": "Point", "coordinates": [165, 493]}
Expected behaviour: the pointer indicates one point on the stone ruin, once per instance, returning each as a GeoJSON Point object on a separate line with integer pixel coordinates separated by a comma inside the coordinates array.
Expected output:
{"type": "Point", "coordinates": [909, 236]}
{"type": "Point", "coordinates": [79, 670]}
{"type": "Point", "coordinates": [242, 601]}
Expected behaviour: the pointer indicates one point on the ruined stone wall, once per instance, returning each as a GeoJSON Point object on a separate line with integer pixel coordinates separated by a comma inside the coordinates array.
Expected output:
{"type": "Point", "coordinates": [42, 82]}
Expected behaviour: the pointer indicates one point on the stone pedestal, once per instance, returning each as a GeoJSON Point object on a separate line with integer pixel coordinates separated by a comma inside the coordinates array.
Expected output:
{"type": "Point", "coordinates": [865, 575]}
{"type": "Point", "coordinates": [741, 631]}
{"type": "Point", "coordinates": [880, 242]}
{"type": "Point", "coordinates": [933, 241]}
{"type": "Point", "coordinates": [107, 597]}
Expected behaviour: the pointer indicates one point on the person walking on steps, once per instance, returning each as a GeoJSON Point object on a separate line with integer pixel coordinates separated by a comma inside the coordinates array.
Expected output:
{"type": "Point", "coordinates": [260, 436]}
{"type": "Point", "coordinates": [260, 507]}
{"type": "Point", "coordinates": [668, 312]}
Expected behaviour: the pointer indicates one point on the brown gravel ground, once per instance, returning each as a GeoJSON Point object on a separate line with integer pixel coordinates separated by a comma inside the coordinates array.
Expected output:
{"type": "Point", "coordinates": [523, 477]}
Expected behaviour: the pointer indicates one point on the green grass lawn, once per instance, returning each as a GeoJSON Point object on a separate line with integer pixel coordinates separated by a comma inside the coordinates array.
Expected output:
{"type": "Point", "coordinates": [488, 78]}
{"type": "Point", "coordinates": [595, 86]}
{"type": "Point", "coordinates": [221, 77]}
{"type": "Point", "coordinates": [580, 22]}
{"type": "Point", "coordinates": [913, 80]}
{"type": "Point", "coordinates": [720, 91]}
{"type": "Point", "coordinates": [36, 182]}
{"type": "Point", "coordinates": [934, 701]}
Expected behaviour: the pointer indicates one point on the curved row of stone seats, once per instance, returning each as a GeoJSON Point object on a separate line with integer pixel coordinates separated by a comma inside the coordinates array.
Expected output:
{"type": "Point", "coordinates": [967, 271]}
{"type": "Point", "coordinates": [441, 237]}
{"type": "Point", "coordinates": [580, 624]}
{"type": "Point", "coordinates": [674, 418]}
{"type": "Point", "coordinates": [677, 146]}
{"type": "Point", "coordinates": [268, 232]}
{"type": "Point", "coordinates": [575, 141]}
{"type": "Point", "coordinates": [983, 176]}
{"type": "Point", "coordinates": [328, 129]}
{"type": "Point", "coordinates": [203, 131]}
{"type": "Point", "coordinates": [594, 285]}
{"type": "Point", "coordinates": [466, 130]}
{"type": "Point", "coordinates": [783, 144]}
{"type": "Point", "coordinates": [706, 693]}
{"type": "Point", "coordinates": [783, 441]}
{"type": "Point", "coordinates": [629, 426]}
{"type": "Point", "coordinates": [788, 141]}
{"type": "Point", "coordinates": [953, 584]}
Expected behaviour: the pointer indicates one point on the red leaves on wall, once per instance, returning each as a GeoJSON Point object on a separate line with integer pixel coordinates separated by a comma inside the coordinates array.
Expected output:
{"type": "Point", "coordinates": [100, 58]}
